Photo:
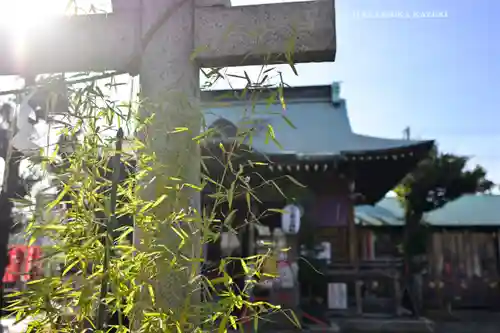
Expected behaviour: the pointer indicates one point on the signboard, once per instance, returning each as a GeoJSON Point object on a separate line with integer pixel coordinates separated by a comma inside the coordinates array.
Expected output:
{"type": "Point", "coordinates": [337, 296]}
{"type": "Point", "coordinates": [290, 219]}
{"type": "Point", "coordinates": [286, 275]}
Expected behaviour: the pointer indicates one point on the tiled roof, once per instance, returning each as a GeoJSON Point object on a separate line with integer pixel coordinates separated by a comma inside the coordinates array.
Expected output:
{"type": "Point", "coordinates": [467, 211]}
{"type": "Point", "coordinates": [368, 215]}
{"type": "Point", "coordinates": [321, 124]}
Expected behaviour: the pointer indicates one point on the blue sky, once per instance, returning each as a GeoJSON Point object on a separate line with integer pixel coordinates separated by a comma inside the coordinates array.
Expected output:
{"type": "Point", "coordinates": [441, 76]}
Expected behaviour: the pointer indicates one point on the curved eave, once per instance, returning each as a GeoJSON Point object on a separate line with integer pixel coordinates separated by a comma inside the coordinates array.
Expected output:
{"type": "Point", "coordinates": [412, 149]}
{"type": "Point", "coordinates": [376, 173]}
{"type": "Point", "coordinates": [216, 153]}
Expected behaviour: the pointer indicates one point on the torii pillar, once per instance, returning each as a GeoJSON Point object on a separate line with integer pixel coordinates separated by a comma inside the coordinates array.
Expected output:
{"type": "Point", "coordinates": [219, 36]}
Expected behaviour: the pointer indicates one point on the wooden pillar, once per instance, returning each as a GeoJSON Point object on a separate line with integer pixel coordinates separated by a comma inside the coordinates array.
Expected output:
{"type": "Point", "coordinates": [397, 294]}
{"type": "Point", "coordinates": [293, 259]}
{"type": "Point", "coordinates": [352, 232]}
{"type": "Point", "coordinates": [497, 239]}
{"type": "Point", "coordinates": [353, 247]}
{"type": "Point", "coordinates": [254, 213]}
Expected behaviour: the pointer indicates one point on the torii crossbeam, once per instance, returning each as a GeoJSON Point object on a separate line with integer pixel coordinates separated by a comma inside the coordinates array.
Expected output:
{"type": "Point", "coordinates": [221, 36]}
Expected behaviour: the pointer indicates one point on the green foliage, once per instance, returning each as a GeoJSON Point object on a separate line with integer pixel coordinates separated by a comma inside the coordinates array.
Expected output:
{"type": "Point", "coordinates": [103, 271]}
{"type": "Point", "coordinates": [439, 179]}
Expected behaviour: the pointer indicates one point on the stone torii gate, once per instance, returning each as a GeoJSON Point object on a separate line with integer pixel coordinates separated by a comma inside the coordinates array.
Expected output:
{"type": "Point", "coordinates": [166, 42]}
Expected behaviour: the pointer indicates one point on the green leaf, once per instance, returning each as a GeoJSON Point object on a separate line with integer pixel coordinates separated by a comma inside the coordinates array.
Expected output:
{"type": "Point", "coordinates": [233, 322]}
{"type": "Point", "coordinates": [295, 181]}
{"type": "Point", "coordinates": [219, 280]}
{"type": "Point", "coordinates": [230, 195]}
{"type": "Point", "coordinates": [152, 294]}
{"type": "Point", "coordinates": [73, 264]}
{"type": "Point", "coordinates": [275, 210]}
{"type": "Point", "coordinates": [244, 266]}
{"type": "Point", "coordinates": [288, 121]}
{"type": "Point", "coordinates": [249, 82]}
{"type": "Point", "coordinates": [61, 195]}
{"type": "Point", "coordinates": [230, 217]}
{"type": "Point", "coordinates": [179, 130]}
{"type": "Point", "coordinates": [249, 201]}
{"type": "Point", "coordinates": [271, 131]}
{"type": "Point", "coordinates": [276, 142]}
{"type": "Point", "coordinates": [271, 99]}
{"type": "Point", "coordinates": [223, 324]}
{"type": "Point", "coordinates": [197, 51]}
{"type": "Point", "coordinates": [290, 51]}
{"type": "Point", "coordinates": [281, 97]}
{"type": "Point", "coordinates": [159, 200]}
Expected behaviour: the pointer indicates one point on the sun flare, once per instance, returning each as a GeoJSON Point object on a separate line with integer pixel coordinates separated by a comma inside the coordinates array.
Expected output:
{"type": "Point", "coordinates": [19, 15]}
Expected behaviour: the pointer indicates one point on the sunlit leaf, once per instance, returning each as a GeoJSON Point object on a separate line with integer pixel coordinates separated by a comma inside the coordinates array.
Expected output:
{"type": "Point", "coordinates": [179, 130]}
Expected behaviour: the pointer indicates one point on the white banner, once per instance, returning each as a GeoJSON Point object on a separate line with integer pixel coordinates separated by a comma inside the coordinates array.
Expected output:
{"type": "Point", "coordinates": [337, 296]}
{"type": "Point", "coordinates": [290, 219]}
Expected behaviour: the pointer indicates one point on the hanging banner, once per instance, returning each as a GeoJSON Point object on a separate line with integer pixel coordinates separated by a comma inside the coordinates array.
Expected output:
{"type": "Point", "coordinates": [290, 219]}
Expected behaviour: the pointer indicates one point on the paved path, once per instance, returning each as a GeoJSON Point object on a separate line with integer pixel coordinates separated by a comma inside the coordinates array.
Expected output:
{"type": "Point", "coordinates": [9, 327]}
{"type": "Point", "coordinates": [469, 322]}
{"type": "Point", "coordinates": [473, 322]}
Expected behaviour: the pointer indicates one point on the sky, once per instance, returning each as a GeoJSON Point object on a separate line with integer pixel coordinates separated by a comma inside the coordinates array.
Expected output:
{"type": "Point", "coordinates": [438, 75]}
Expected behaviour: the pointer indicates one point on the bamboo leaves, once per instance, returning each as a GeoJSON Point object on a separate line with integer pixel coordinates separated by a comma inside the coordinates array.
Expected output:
{"type": "Point", "coordinates": [106, 274]}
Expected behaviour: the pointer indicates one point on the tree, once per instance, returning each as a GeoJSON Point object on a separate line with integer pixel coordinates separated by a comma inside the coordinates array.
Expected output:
{"type": "Point", "coordinates": [437, 180]}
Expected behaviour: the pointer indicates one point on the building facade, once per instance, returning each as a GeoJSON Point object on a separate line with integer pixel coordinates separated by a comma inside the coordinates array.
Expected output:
{"type": "Point", "coordinates": [306, 138]}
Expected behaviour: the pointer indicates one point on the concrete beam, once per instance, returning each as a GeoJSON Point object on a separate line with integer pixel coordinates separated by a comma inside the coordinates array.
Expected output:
{"type": "Point", "coordinates": [125, 5]}
{"type": "Point", "coordinates": [212, 3]}
{"type": "Point", "coordinates": [261, 34]}
{"type": "Point", "coordinates": [71, 44]}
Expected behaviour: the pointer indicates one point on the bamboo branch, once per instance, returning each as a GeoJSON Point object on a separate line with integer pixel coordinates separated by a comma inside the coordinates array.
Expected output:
{"type": "Point", "coordinates": [115, 179]}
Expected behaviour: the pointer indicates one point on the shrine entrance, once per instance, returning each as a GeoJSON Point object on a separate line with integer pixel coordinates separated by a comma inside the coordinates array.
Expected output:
{"type": "Point", "coordinates": [255, 233]}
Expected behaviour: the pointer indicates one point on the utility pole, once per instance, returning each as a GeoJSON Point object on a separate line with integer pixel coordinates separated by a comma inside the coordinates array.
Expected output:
{"type": "Point", "coordinates": [407, 133]}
